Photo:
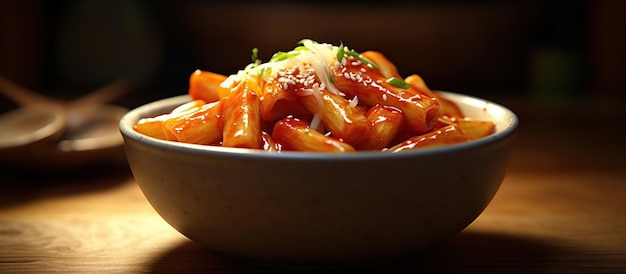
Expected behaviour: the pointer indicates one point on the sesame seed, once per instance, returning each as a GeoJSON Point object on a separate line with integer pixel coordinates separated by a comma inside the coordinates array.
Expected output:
{"type": "Point", "coordinates": [290, 82]}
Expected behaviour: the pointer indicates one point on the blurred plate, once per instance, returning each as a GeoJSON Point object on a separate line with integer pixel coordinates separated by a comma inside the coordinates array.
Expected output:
{"type": "Point", "coordinates": [97, 140]}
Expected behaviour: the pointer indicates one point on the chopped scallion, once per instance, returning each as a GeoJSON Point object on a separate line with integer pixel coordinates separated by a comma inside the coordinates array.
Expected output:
{"type": "Point", "coordinates": [300, 48]}
{"type": "Point", "coordinates": [281, 55]}
{"type": "Point", "coordinates": [255, 54]}
{"type": "Point", "coordinates": [361, 58]}
{"type": "Point", "coordinates": [340, 52]}
{"type": "Point", "coordinates": [398, 83]}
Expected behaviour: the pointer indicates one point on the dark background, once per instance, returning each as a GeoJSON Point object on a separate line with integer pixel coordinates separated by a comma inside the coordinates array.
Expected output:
{"type": "Point", "coordinates": [551, 50]}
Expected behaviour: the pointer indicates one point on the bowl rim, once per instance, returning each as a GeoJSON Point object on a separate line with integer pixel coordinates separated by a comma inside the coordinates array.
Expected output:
{"type": "Point", "coordinates": [131, 117]}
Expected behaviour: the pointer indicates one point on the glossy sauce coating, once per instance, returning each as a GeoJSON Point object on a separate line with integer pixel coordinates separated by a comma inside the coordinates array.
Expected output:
{"type": "Point", "coordinates": [317, 97]}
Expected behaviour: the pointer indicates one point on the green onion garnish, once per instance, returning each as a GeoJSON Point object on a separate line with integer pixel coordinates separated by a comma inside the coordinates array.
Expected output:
{"type": "Point", "coordinates": [281, 55]}
{"type": "Point", "coordinates": [398, 83]}
{"type": "Point", "coordinates": [255, 54]}
{"type": "Point", "coordinates": [300, 48]}
{"type": "Point", "coordinates": [361, 58]}
{"type": "Point", "coordinates": [340, 52]}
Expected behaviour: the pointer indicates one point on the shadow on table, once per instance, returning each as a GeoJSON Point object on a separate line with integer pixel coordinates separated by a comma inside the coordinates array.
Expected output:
{"type": "Point", "coordinates": [468, 252]}
{"type": "Point", "coordinates": [20, 186]}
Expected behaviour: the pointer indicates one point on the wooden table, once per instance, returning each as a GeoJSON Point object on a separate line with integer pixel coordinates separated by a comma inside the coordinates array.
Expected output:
{"type": "Point", "coordinates": [561, 208]}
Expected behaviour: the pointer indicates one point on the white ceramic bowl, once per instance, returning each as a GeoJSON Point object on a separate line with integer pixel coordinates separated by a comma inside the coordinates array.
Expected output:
{"type": "Point", "coordinates": [298, 209]}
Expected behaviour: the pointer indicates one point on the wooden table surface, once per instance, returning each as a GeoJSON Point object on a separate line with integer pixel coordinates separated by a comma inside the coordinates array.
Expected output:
{"type": "Point", "coordinates": [561, 208]}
